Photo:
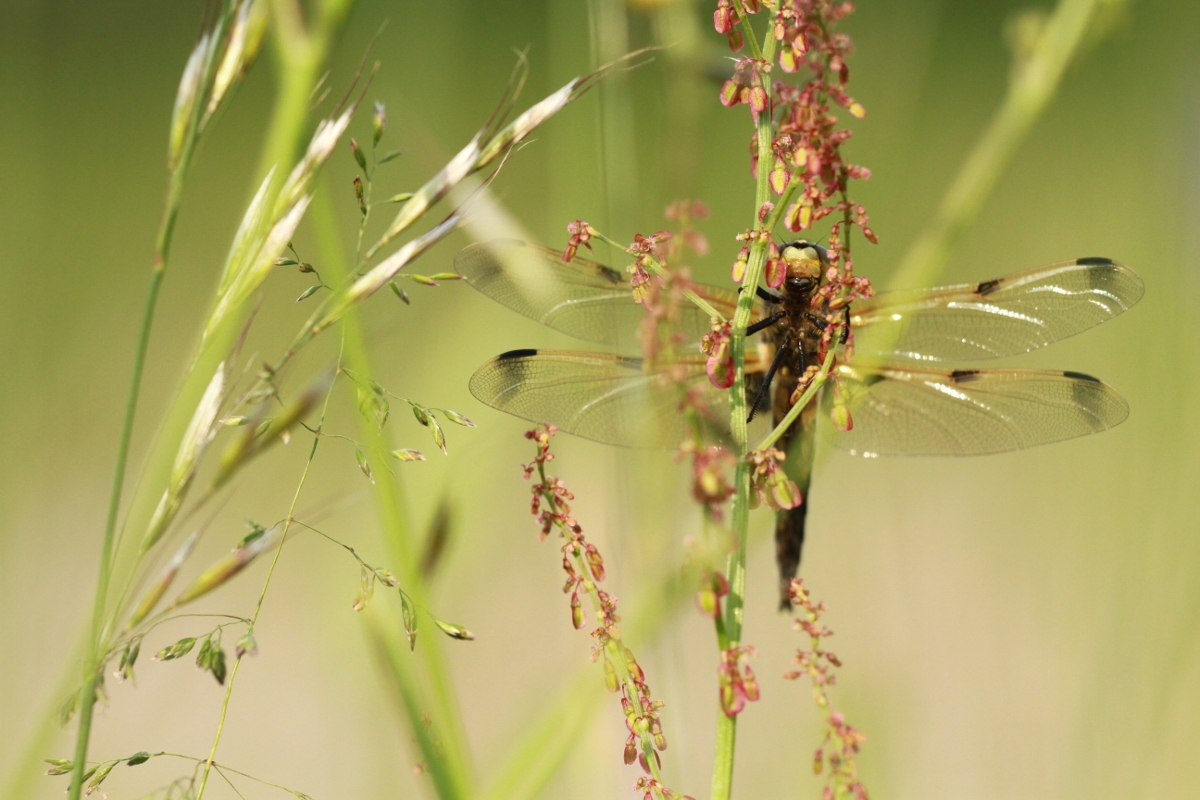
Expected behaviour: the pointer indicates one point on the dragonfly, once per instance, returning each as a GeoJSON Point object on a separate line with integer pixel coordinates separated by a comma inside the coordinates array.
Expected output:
{"type": "Point", "coordinates": [905, 388]}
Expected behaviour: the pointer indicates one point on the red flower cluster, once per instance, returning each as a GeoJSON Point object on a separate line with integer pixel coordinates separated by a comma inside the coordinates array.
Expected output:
{"type": "Point", "coordinates": [585, 569]}
{"type": "Point", "coordinates": [771, 484]}
{"type": "Point", "coordinates": [643, 248]}
{"type": "Point", "coordinates": [653, 789]}
{"type": "Point", "coordinates": [713, 588]}
{"type": "Point", "coordinates": [581, 233]}
{"type": "Point", "coordinates": [715, 345]}
{"type": "Point", "coordinates": [710, 482]}
{"type": "Point", "coordinates": [807, 147]}
{"type": "Point", "coordinates": [842, 741]}
{"type": "Point", "coordinates": [738, 684]}
{"type": "Point", "coordinates": [748, 85]}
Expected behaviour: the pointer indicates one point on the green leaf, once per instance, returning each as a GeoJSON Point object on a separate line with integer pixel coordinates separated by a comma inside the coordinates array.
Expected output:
{"type": "Point", "coordinates": [424, 280]}
{"type": "Point", "coordinates": [216, 664]}
{"type": "Point", "coordinates": [438, 436]}
{"type": "Point", "coordinates": [409, 617]}
{"type": "Point", "coordinates": [454, 631]}
{"type": "Point", "coordinates": [138, 758]}
{"type": "Point", "coordinates": [202, 656]}
{"type": "Point", "coordinates": [309, 292]}
{"type": "Point", "coordinates": [246, 645]}
{"type": "Point", "coordinates": [101, 774]}
{"type": "Point", "coordinates": [449, 276]}
{"type": "Point", "coordinates": [388, 157]}
{"type": "Point", "coordinates": [59, 766]}
{"type": "Point", "coordinates": [408, 455]}
{"type": "Point", "coordinates": [177, 650]}
{"type": "Point", "coordinates": [363, 465]}
{"type": "Point", "coordinates": [403, 295]}
{"type": "Point", "coordinates": [256, 532]}
{"type": "Point", "coordinates": [454, 416]}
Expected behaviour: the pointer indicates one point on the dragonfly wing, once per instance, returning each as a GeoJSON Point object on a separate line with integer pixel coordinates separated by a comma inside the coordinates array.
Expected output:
{"type": "Point", "coordinates": [898, 410]}
{"type": "Point", "coordinates": [583, 298]}
{"type": "Point", "coordinates": [599, 396]}
{"type": "Point", "coordinates": [1001, 317]}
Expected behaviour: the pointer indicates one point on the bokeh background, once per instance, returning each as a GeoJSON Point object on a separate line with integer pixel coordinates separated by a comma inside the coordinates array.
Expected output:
{"type": "Point", "coordinates": [1015, 626]}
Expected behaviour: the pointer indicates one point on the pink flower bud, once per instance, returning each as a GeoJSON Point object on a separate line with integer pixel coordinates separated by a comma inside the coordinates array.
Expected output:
{"type": "Point", "coordinates": [730, 93]}
{"type": "Point", "coordinates": [840, 415]}
{"type": "Point", "coordinates": [739, 266]}
{"type": "Point", "coordinates": [724, 17]}
{"type": "Point", "coordinates": [577, 618]}
{"type": "Point", "coordinates": [758, 99]}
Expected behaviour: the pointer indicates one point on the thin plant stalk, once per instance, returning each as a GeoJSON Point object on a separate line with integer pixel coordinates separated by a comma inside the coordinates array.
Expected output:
{"type": "Point", "coordinates": [158, 270]}
{"type": "Point", "coordinates": [1035, 80]}
{"type": "Point", "coordinates": [287, 524]}
{"type": "Point", "coordinates": [722, 777]}
{"type": "Point", "coordinates": [446, 754]}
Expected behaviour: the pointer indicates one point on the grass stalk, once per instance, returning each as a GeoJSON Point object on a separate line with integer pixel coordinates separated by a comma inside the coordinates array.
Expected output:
{"type": "Point", "coordinates": [1035, 80]}
{"type": "Point", "coordinates": [92, 674]}
{"type": "Point", "coordinates": [723, 754]}
{"type": "Point", "coordinates": [287, 524]}
{"type": "Point", "coordinates": [429, 689]}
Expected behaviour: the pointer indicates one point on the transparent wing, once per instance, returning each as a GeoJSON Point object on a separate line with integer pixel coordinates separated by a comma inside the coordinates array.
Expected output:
{"type": "Point", "coordinates": [583, 298]}
{"type": "Point", "coordinates": [899, 410]}
{"type": "Point", "coordinates": [599, 396]}
{"type": "Point", "coordinates": [996, 318]}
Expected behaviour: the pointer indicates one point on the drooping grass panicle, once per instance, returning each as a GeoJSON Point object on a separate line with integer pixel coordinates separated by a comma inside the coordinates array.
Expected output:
{"type": "Point", "coordinates": [484, 149]}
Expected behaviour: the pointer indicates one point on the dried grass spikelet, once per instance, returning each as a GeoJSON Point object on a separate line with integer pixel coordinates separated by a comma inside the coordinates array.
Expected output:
{"type": "Point", "coordinates": [161, 583]}
{"type": "Point", "coordinates": [197, 436]}
{"type": "Point", "coordinates": [490, 144]}
{"type": "Point", "coordinates": [384, 271]}
{"type": "Point", "coordinates": [254, 441]}
{"type": "Point", "coordinates": [228, 566]}
{"type": "Point", "coordinates": [262, 237]}
{"type": "Point", "coordinates": [220, 58]}
{"type": "Point", "coordinates": [186, 97]}
{"type": "Point", "coordinates": [243, 44]}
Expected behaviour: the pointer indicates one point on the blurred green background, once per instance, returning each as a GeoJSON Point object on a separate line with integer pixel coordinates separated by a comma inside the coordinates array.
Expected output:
{"type": "Point", "coordinates": [1014, 626]}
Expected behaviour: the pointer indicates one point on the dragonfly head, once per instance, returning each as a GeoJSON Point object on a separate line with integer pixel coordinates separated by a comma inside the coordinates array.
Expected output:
{"type": "Point", "coordinates": [805, 262]}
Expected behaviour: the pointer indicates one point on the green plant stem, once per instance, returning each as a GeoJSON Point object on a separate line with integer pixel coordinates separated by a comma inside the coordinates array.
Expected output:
{"type": "Point", "coordinates": [93, 671]}
{"type": "Point", "coordinates": [1034, 82]}
{"type": "Point", "coordinates": [726, 740]}
{"type": "Point", "coordinates": [442, 743]}
{"type": "Point", "coordinates": [287, 524]}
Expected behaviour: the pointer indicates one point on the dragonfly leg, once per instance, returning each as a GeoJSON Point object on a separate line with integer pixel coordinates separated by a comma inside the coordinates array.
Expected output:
{"type": "Point", "coordinates": [766, 384]}
{"type": "Point", "coordinates": [765, 323]}
{"type": "Point", "coordinates": [767, 297]}
{"type": "Point", "coordinates": [846, 326]}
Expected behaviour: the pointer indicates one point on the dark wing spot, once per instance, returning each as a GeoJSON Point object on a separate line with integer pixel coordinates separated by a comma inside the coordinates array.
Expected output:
{"type": "Point", "coordinates": [523, 353]}
{"type": "Point", "coordinates": [1081, 376]}
{"type": "Point", "coordinates": [988, 286]}
{"type": "Point", "coordinates": [962, 375]}
{"type": "Point", "coordinates": [1094, 261]}
{"type": "Point", "coordinates": [610, 274]}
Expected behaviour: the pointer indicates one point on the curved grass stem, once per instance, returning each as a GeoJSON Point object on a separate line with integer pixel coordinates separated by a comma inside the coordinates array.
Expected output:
{"type": "Point", "coordinates": [92, 674]}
